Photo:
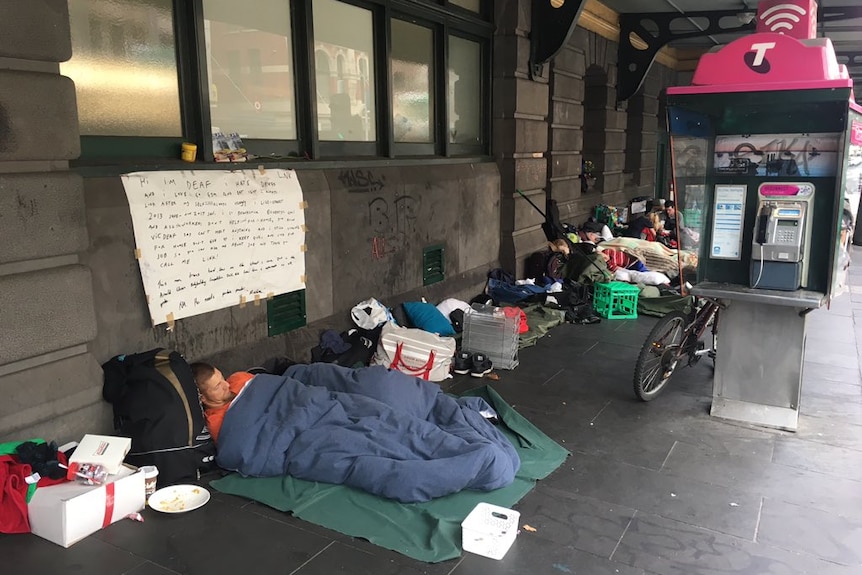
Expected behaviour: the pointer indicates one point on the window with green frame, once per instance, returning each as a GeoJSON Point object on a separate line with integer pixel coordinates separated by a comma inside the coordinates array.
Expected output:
{"type": "Point", "coordinates": [305, 78]}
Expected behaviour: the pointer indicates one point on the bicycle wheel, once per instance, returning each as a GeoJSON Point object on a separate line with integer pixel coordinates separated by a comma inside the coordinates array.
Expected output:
{"type": "Point", "coordinates": [659, 356]}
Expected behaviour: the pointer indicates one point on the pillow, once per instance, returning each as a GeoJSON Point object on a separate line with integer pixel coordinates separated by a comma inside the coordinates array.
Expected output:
{"type": "Point", "coordinates": [447, 306]}
{"type": "Point", "coordinates": [646, 278]}
{"type": "Point", "coordinates": [427, 317]}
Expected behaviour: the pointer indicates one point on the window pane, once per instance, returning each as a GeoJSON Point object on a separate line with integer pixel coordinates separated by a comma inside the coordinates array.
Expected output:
{"type": "Point", "coordinates": [124, 67]}
{"type": "Point", "coordinates": [344, 69]}
{"type": "Point", "coordinates": [250, 67]}
{"type": "Point", "coordinates": [465, 98]}
{"type": "Point", "coordinates": [412, 73]}
{"type": "Point", "coordinates": [472, 5]}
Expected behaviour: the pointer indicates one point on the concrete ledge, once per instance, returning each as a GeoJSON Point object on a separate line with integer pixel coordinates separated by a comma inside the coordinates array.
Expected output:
{"type": "Point", "coordinates": [43, 125]}
{"type": "Point", "coordinates": [44, 216]}
{"type": "Point", "coordinates": [45, 311]}
{"type": "Point", "coordinates": [35, 30]}
{"type": "Point", "coordinates": [64, 419]}
{"type": "Point", "coordinates": [26, 392]}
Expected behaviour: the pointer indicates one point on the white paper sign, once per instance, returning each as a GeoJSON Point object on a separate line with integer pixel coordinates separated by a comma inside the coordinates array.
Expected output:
{"type": "Point", "coordinates": [213, 239]}
{"type": "Point", "coordinates": [727, 221]}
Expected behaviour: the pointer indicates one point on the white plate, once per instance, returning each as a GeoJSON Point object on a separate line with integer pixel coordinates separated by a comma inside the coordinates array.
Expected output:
{"type": "Point", "coordinates": [179, 498]}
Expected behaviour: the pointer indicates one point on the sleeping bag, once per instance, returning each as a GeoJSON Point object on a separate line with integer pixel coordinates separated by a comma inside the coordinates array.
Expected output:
{"type": "Point", "coordinates": [372, 428]}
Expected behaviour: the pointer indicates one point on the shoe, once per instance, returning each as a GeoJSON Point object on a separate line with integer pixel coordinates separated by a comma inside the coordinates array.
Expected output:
{"type": "Point", "coordinates": [481, 365]}
{"type": "Point", "coordinates": [463, 362]}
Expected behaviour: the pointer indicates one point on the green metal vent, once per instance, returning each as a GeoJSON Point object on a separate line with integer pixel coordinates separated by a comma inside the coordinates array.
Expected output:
{"type": "Point", "coordinates": [433, 268]}
{"type": "Point", "coordinates": [285, 312]}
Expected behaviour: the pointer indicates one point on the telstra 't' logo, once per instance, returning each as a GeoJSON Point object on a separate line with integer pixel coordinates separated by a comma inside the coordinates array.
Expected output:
{"type": "Point", "coordinates": [756, 60]}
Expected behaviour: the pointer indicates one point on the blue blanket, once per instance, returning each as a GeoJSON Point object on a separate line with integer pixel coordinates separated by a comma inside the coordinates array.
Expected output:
{"type": "Point", "coordinates": [372, 428]}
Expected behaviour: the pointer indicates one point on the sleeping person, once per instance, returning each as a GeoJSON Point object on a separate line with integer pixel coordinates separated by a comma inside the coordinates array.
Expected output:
{"type": "Point", "coordinates": [373, 428]}
{"type": "Point", "coordinates": [217, 393]}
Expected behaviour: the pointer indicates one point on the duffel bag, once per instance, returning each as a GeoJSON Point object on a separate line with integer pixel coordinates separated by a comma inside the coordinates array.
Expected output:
{"type": "Point", "coordinates": [415, 352]}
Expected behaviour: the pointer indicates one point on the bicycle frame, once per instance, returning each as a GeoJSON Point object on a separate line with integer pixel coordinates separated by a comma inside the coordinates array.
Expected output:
{"type": "Point", "coordinates": [694, 330]}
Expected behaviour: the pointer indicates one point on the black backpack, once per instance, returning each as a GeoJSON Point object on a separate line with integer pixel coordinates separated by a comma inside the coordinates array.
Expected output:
{"type": "Point", "coordinates": [156, 404]}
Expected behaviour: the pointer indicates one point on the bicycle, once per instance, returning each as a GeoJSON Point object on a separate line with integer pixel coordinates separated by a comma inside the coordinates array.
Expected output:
{"type": "Point", "coordinates": [674, 337]}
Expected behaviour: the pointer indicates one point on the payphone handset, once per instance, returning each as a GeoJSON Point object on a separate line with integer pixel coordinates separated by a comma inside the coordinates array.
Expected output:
{"type": "Point", "coordinates": [782, 234]}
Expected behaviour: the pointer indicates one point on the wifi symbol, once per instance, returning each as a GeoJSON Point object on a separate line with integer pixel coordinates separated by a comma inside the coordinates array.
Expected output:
{"type": "Point", "coordinates": [780, 16]}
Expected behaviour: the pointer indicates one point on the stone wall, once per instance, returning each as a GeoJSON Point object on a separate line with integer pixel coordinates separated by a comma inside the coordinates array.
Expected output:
{"type": "Point", "coordinates": [547, 125]}
{"type": "Point", "coordinates": [48, 376]}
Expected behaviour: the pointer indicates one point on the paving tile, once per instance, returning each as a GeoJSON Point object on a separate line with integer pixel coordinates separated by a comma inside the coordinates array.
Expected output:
{"type": "Point", "coordinates": [669, 547]}
{"type": "Point", "coordinates": [816, 346]}
{"type": "Point", "coordinates": [532, 554]}
{"type": "Point", "coordinates": [686, 418]}
{"type": "Point", "coordinates": [628, 445]}
{"type": "Point", "coordinates": [26, 553]}
{"type": "Point", "coordinates": [833, 358]}
{"type": "Point", "coordinates": [814, 372]}
{"type": "Point", "coordinates": [341, 558]}
{"type": "Point", "coordinates": [186, 542]}
{"type": "Point", "coordinates": [837, 461]}
{"type": "Point", "coordinates": [692, 501]}
{"type": "Point", "coordinates": [753, 476]}
{"type": "Point", "coordinates": [825, 430]}
{"type": "Point", "coordinates": [830, 327]}
{"type": "Point", "coordinates": [811, 531]}
{"type": "Point", "coordinates": [586, 524]}
{"type": "Point", "coordinates": [833, 408]}
{"type": "Point", "coordinates": [851, 392]}
{"type": "Point", "coordinates": [149, 568]}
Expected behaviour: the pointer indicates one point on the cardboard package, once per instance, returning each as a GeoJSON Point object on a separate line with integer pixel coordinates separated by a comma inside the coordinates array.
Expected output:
{"type": "Point", "coordinates": [67, 513]}
{"type": "Point", "coordinates": [105, 450]}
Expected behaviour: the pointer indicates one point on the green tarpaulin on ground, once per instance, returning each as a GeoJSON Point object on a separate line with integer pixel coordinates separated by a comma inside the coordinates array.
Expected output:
{"type": "Point", "coordinates": [429, 531]}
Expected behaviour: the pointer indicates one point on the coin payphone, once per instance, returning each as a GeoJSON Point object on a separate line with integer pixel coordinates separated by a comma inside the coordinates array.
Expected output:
{"type": "Point", "coordinates": [781, 245]}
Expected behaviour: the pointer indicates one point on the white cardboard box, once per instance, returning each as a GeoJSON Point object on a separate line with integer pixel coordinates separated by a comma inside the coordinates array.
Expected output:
{"type": "Point", "coordinates": [69, 512]}
{"type": "Point", "coordinates": [106, 450]}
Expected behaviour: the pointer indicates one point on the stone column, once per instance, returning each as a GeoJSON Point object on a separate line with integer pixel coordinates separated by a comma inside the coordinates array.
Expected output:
{"type": "Point", "coordinates": [520, 135]}
{"type": "Point", "coordinates": [49, 382]}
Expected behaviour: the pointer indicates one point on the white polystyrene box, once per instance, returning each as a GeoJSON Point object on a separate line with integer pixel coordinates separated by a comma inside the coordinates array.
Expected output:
{"type": "Point", "coordinates": [489, 530]}
{"type": "Point", "coordinates": [68, 512]}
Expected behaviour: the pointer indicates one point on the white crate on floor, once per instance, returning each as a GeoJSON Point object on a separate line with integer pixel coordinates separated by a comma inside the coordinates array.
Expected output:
{"type": "Point", "coordinates": [489, 530]}
{"type": "Point", "coordinates": [489, 330]}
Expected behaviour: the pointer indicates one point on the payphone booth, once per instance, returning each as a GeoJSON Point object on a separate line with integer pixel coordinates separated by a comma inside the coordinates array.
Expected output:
{"type": "Point", "coordinates": [764, 146]}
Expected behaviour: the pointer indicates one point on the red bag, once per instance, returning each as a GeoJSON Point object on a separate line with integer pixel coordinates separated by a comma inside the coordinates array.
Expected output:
{"type": "Point", "coordinates": [514, 312]}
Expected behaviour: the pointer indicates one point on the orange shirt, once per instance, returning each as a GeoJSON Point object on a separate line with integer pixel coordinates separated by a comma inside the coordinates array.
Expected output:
{"type": "Point", "coordinates": [215, 415]}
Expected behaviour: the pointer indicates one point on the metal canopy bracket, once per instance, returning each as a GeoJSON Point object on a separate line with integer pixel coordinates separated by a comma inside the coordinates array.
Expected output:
{"type": "Point", "coordinates": [552, 23]}
{"type": "Point", "coordinates": [639, 45]}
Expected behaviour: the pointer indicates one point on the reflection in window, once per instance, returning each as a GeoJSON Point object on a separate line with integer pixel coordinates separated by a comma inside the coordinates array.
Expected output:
{"type": "Point", "coordinates": [344, 57]}
{"type": "Point", "coordinates": [472, 5]}
{"type": "Point", "coordinates": [250, 68]}
{"type": "Point", "coordinates": [124, 67]}
{"type": "Point", "coordinates": [465, 98]}
{"type": "Point", "coordinates": [412, 73]}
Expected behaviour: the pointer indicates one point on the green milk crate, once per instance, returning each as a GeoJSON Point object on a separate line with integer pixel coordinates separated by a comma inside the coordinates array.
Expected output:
{"type": "Point", "coordinates": [616, 300]}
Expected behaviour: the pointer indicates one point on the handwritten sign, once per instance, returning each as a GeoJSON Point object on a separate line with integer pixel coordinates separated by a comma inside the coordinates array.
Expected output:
{"type": "Point", "coordinates": [207, 240]}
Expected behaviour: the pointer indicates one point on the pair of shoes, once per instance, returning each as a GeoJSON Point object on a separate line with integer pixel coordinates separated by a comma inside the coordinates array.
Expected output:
{"type": "Point", "coordinates": [476, 364]}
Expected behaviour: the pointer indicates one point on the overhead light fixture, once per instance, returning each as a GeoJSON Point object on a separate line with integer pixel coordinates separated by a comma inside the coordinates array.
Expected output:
{"type": "Point", "coordinates": [746, 17]}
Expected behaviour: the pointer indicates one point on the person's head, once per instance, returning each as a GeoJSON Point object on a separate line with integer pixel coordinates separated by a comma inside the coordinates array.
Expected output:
{"type": "Point", "coordinates": [670, 208]}
{"type": "Point", "coordinates": [559, 246]}
{"type": "Point", "coordinates": [593, 231]}
{"type": "Point", "coordinates": [212, 386]}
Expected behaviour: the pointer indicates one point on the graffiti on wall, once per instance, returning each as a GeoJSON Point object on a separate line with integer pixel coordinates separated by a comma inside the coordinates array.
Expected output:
{"type": "Point", "coordinates": [808, 155]}
{"type": "Point", "coordinates": [392, 223]}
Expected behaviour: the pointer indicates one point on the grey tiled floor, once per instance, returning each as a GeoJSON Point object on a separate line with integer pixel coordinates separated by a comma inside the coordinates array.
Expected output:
{"type": "Point", "coordinates": [651, 489]}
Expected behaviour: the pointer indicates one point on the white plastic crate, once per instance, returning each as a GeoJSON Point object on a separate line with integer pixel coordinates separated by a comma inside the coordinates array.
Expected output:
{"type": "Point", "coordinates": [489, 530]}
{"type": "Point", "coordinates": [487, 329]}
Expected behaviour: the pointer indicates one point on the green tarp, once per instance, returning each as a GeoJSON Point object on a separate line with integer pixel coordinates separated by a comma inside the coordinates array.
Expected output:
{"type": "Point", "coordinates": [429, 531]}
